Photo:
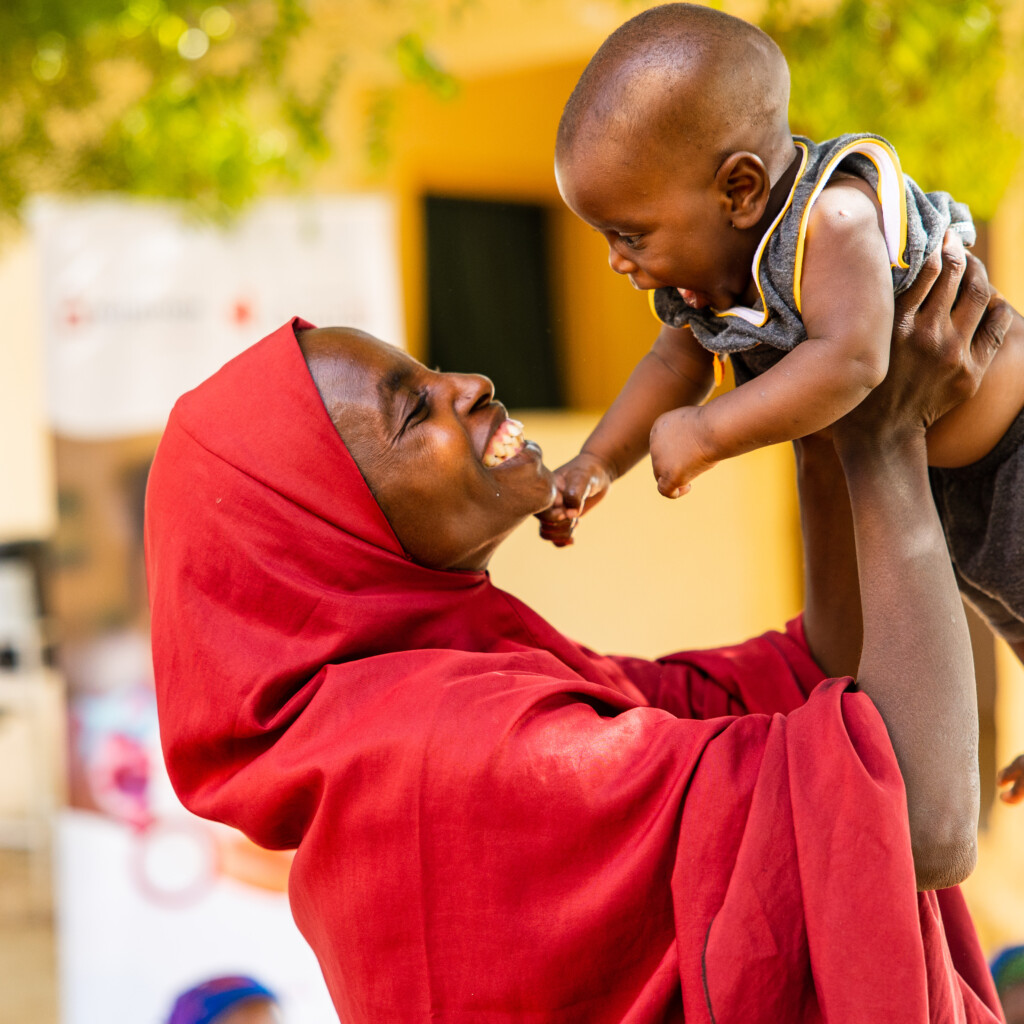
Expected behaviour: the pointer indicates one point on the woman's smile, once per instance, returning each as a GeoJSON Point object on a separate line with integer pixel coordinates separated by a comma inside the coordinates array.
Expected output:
{"type": "Point", "coordinates": [505, 442]}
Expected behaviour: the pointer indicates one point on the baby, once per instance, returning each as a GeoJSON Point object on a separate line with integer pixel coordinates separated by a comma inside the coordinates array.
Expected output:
{"type": "Point", "coordinates": [782, 255]}
{"type": "Point", "coordinates": [777, 252]}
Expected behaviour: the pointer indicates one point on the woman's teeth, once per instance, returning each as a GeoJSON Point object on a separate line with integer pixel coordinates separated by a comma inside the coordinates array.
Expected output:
{"type": "Point", "coordinates": [507, 440]}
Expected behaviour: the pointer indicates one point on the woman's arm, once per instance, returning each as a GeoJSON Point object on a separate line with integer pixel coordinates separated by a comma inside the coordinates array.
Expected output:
{"type": "Point", "coordinates": [832, 614]}
{"type": "Point", "coordinates": [915, 660]}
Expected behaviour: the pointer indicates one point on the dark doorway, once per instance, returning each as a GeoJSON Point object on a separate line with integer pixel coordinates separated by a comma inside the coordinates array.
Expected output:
{"type": "Point", "coordinates": [488, 297]}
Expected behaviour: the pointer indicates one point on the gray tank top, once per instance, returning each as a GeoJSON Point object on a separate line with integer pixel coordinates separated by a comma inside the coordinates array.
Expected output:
{"type": "Point", "coordinates": [913, 221]}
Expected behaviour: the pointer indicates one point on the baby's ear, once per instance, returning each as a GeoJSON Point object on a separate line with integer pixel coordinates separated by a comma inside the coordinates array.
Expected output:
{"type": "Point", "coordinates": [745, 187]}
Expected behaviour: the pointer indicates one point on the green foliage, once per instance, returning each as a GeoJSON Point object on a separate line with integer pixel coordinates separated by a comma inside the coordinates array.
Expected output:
{"type": "Point", "coordinates": [193, 98]}
{"type": "Point", "coordinates": [171, 98]}
{"type": "Point", "coordinates": [939, 78]}
{"type": "Point", "coordinates": [417, 66]}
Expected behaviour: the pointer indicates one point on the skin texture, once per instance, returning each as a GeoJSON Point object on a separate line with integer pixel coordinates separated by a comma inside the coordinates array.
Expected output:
{"type": "Point", "coordinates": [418, 437]}
{"type": "Point", "coordinates": [669, 72]}
{"type": "Point", "coordinates": [252, 1011]}
{"type": "Point", "coordinates": [695, 220]}
{"type": "Point", "coordinates": [644, 207]}
{"type": "Point", "coordinates": [684, 225]}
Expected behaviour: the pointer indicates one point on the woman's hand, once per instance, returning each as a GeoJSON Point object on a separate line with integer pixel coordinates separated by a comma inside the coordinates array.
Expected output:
{"type": "Point", "coordinates": [948, 325]}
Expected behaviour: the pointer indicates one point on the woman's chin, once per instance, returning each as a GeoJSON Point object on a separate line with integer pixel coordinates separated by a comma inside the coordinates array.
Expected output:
{"type": "Point", "coordinates": [526, 470]}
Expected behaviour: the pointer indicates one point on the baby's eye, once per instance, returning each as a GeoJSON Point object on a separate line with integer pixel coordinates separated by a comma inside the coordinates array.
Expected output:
{"type": "Point", "coordinates": [632, 241]}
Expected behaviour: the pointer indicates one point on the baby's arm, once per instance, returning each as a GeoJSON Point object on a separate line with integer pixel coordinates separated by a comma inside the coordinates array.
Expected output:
{"type": "Point", "coordinates": [847, 308]}
{"type": "Point", "coordinates": [676, 371]}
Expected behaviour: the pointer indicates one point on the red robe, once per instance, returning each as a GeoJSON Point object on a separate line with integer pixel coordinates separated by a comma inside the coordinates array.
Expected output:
{"type": "Point", "coordinates": [494, 824]}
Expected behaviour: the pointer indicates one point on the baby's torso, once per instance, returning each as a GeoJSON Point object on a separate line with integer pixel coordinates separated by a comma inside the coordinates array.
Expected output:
{"type": "Point", "coordinates": [912, 222]}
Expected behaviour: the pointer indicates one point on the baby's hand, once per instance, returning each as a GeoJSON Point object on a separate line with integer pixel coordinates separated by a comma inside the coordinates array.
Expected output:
{"type": "Point", "coordinates": [1013, 776]}
{"type": "Point", "coordinates": [676, 453]}
{"type": "Point", "coordinates": [582, 483]}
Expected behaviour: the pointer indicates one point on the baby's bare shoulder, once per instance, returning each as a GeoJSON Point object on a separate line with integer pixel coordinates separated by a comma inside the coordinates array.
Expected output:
{"type": "Point", "coordinates": [847, 207]}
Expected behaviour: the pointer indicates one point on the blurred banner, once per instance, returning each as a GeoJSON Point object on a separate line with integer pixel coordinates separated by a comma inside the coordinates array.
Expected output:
{"type": "Point", "coordinates": [136, 306]}
{"type": "Point", "coordinates": [153, 900]}
{"type": "Point", "coordinates": [125, 956]}
{"type": "Point", "coordinates": [141, 304]}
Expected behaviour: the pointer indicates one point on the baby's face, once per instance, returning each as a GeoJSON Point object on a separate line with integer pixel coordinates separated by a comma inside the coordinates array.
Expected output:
{"type": "Point", "coordinates": [666, 222]}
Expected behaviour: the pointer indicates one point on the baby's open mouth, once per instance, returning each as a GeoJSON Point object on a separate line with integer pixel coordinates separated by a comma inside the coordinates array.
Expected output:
{"type": "Point", "coordinates": [695, 300]}
{"type": "Point", "coordinates": [506, 442]}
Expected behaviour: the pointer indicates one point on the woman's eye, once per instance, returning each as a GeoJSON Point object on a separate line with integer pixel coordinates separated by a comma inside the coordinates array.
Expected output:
{"type": "Point", "coordinates": [418, 411]}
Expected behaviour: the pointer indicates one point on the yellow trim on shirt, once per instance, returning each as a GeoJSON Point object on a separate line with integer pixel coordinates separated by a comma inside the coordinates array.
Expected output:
{"type": "Point", "coordinates": [868, 148]}
{"type": "Point", "coordinates": [650, 303]}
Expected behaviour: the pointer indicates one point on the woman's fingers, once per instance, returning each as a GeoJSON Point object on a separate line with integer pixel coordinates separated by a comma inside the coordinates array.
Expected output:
{"type": "Point", "coordinates": [944, 280]}
{"type": "Point", "coordinates": [919, 290]}
{"type": "Point", "coordinates": [973, 295]}
{"type": "Point", "coordinates": [982, 319]}
{"type": "Point", "coordinates": [996, 319]}
{"type": "Point", "coordinates": [958, 325]}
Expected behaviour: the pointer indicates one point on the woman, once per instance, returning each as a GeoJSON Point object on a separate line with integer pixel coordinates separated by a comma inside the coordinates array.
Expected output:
{"type": "Point", "coordinates": [494, 824]}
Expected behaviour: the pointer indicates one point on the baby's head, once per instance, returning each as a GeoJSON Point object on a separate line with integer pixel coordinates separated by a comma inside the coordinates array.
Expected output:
{"type": "Point", "coordinates": [670, 143]}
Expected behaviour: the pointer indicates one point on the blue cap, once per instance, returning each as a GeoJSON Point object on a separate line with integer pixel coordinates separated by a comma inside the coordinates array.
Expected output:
{"type": "Point", "coordinates": [204, 1003]}
{"type": "Point", "coordinates": [1008, 968]}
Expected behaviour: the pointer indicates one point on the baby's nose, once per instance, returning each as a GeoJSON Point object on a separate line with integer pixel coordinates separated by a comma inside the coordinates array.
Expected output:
{"type": "Point", "coordinates": [619, 263]}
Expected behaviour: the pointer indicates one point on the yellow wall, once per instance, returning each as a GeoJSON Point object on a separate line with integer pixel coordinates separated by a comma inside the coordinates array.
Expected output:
{"type": "Point", "coordinates": [27, 494]}
{"type": "Point", "coordinates": [995, 892]}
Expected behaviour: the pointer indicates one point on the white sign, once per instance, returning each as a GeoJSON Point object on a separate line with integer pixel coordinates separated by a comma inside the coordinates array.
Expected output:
{"type": "Point", "coordinates": [141, 304]}
{"type": "Point", "coordinates": [124, 957]}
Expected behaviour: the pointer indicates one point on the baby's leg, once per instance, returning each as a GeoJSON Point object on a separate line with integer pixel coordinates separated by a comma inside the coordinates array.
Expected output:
{"type": "Point", "coordinates": [982, 511]}
{"type": "Point", "coordinates": [970, 431]}
{"type": "Point", "coordinates": [995, 613]}
{"type": "Point", "coordinates": [1006, 624]}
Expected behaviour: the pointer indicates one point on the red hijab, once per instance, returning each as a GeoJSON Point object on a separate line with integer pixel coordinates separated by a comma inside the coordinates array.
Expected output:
{"type": "Point", "coordinates": [494, 824]}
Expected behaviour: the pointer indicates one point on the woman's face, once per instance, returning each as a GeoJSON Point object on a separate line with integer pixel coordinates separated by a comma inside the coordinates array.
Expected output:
{"type": "Point", "coordinates": [420, 439]}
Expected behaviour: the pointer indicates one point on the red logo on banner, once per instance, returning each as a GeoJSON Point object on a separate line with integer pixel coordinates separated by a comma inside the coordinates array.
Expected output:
{"type": "Point", "coordinates": [241, 312]}
{"type": "Point", "coordinates": [74, 313]}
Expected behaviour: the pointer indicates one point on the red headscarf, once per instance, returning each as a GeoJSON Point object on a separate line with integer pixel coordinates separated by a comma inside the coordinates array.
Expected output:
{"type": "Point", "coordinates": [494, 824]}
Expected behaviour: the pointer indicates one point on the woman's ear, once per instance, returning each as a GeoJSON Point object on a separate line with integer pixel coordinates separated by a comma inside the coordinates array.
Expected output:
{"type": "Point", "coordinates": [744, 187]}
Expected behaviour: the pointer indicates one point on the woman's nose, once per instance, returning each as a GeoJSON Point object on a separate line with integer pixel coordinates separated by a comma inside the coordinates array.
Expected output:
{"type": "Point", "coordinates": [472, 390]}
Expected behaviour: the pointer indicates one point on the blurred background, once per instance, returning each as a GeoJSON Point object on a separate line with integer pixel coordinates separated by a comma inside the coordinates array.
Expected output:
{"type": "Point", "coordinates": [179, 178]}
